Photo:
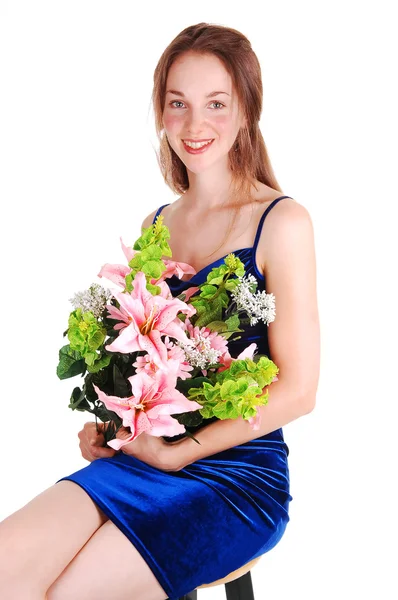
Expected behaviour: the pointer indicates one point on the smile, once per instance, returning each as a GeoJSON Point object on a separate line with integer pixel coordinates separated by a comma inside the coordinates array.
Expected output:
{"type": "Point", "coordinates": [197, 147]}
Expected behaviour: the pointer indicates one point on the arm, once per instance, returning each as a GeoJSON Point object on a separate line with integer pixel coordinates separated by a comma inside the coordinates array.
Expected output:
{"type": "Point", "coordinates": [294, 337]}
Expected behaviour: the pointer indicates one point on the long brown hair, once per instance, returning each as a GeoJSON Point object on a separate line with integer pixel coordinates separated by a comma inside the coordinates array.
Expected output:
{"type": "Point", "coordinates": [248, 157]}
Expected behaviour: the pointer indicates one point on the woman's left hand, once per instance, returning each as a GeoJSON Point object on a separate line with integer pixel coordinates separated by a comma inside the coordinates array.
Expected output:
{"type": "Point", "coordinates": [150, 449]}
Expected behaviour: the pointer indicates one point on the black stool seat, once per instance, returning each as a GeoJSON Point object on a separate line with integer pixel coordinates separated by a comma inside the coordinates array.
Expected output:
{"type": "Point", "coordinates": [238, 584]}
{"type": "Point", "coordinates": [238, 589]}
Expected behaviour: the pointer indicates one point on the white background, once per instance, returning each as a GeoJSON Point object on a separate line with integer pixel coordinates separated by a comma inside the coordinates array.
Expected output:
{"type": "Point", "coordinates": [78, 170]}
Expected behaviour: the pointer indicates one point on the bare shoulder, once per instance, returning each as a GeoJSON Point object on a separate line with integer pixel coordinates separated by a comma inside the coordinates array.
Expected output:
{"type": "Point", "coordinates": [287, 225]}
{"type": "Point", "coordinates": [148, 220]}
{"type": "Point", "coordinates": [167, 211]}
{"type": "Point", "coordinates": [287, 211]}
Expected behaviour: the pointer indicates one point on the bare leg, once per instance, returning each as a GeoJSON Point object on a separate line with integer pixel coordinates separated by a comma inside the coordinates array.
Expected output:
{"type": "Point", "coordinates": [40, 539]}
{"type": "Point", "coordinates": [108, 567]}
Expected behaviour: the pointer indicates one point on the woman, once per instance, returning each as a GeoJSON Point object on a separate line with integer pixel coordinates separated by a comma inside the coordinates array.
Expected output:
{"type": "Point", "coordinates": [163, 516]}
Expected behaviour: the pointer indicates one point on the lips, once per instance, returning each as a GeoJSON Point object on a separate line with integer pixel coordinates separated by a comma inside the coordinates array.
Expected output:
{"type": "Point", "coordinates": [199, 150]}
{"type": "Point", "coordinates": [197, 141]}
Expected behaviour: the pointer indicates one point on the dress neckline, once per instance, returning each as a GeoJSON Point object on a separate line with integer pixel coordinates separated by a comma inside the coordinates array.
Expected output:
{"type": "Point", "coordinates": [218, 260]}
{"type": "Point", "coordinates": [253, 248]}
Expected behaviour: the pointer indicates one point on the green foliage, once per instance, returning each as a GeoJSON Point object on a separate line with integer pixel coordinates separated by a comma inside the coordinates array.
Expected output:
{"type": "Point", "coordinates": [213, 297]}
{"type": "Point", "coordinates": [151, 246]}
{"type": "Point", "coordinates": [99, 364]}
{"type": "Point", "coordinates": [236, 391]}
{"type": "Point", "coordinates": [86, 336]}
{"type": "Point", "coordinates": [86, 355]}
{"type": "Point", "coordinates": [71, 363]}
{"type": "Point", "coordinates": [156, 234]}
{"type": "Point", "coordinates": [227, 327]}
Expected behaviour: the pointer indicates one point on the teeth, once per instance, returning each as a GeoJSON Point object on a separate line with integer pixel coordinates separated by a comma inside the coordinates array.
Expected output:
{"type": "Point", "coordinates": [197, 144]}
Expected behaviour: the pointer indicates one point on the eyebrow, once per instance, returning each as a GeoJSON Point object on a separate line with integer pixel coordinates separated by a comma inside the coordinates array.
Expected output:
{"type": "Point", "coordinates": [177, 93]}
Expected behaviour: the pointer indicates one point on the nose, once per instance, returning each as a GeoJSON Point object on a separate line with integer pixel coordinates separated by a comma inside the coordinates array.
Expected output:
{"type": "Point", "coordinates": [194, 123]}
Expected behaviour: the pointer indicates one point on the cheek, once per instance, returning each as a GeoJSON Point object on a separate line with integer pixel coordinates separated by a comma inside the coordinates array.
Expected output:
{"type": "Point", "coordinates": [171, 121]}
{"type": "Point", "coordinates": [224, 123]}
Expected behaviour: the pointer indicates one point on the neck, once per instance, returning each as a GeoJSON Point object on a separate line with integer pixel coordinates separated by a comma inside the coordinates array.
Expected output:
{"type": "Point", "coordinates": [210, 189]}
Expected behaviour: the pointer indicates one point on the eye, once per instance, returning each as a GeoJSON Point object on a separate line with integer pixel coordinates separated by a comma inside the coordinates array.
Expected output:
{"type": "Point", "coordinates": [217, 102]}
{"type": "Point", "coordinates": [174, 101]}
{"type": "Point", "coordinates": [179, 102]}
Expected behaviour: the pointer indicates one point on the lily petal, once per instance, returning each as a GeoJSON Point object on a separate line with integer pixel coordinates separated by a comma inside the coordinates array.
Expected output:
{"type": "Point", "coordinates": [129, 252]}
{"type": "Point", "coordinates": [113, 402]}
{"type": "Point", "coordinates": [115, 273]}
{"type": "Point", "coordinates": [248, 352]}
{"type": "Point", "coordinates": [132, 307]}
{"type": "Point", "coordinates": [167, 426]}
{"type": "Point", "coordinates": [126, 342]}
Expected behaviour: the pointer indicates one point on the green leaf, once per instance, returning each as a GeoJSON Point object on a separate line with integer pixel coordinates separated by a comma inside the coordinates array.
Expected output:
{"type": "Point", "coordinates": [78, 400]}
{"type": "Point", "coordinates": [218, 326]}
{"type": "Point", "coordinates": [233, 323]}
{"type": "Point", "coordinates": [213, 314]}
{"type": "Point", "coordinates": [153, 268]}
{"type": "Point", "coordinates": [156, 234]}
{"type": "Point", "coordinates": [192, 418]}
{"type": "Point", "coordinates": [231, 284]}
{"type": "Point", "coordinates": [208, 291]}
{"type": "Point", "coordinates": [122, 387]}
{"type": "Point", "coordinates": [96, 339]}
{"type": "Point", "coordinates": [150, 253]}
{"type": "Point", "coordinates": [129, 282]}
{"type": "Point", "coordinates": [184, 385]}
{"type": "Point", "coordinates": [99, 364]}
{"type": "Point", "coordinates": [70, 363]}
{"type": "Point", "coordinates": [154, 289]}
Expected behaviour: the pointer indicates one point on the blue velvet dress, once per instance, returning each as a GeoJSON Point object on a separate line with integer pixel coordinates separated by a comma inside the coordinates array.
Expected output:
{"type": "Point", "coordinates": [198, 524]}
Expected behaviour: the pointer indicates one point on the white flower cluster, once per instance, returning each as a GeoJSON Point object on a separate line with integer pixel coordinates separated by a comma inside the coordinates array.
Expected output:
{"type": "Point", "coordinates": [259, 306]}
{"type": "Point", "coordinates": [199, 352]}
{"type": "Point", "coordinates": [93, 299]}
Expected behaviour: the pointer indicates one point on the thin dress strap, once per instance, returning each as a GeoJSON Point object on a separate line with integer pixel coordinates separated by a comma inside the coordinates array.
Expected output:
{"type": "Point", "coordinates": [260, 225]}
{"type": "Point", "coordinates": [159, 210]}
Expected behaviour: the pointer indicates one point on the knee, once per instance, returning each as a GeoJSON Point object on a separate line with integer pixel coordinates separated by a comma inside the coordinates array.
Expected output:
{"type": "Point", "coordinates": [11, 545]}
{"type": "Point", "coordinates": [17, 564]}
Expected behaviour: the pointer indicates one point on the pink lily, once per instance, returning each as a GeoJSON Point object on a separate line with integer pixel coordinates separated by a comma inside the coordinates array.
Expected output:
{"type": "Point", "coordinates": [120, 314]}
{"type": "Point", "coordinates": [246, 353]}
{"type": "Point", "coordinates": [149, 408]}
{"type": "Point", "coordinates": [175, 361]}
{"type": "Point", "coordinates": [149, 317]}
{"type": "Point", "coordinates": [117, 273]}
{"type": "Point", "coordinates": [175, 268]}
{"type": "Point", "coordinates": [189, 292]}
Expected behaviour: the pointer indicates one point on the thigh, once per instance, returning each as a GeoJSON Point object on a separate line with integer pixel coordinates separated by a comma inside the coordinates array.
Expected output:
{"type": "Point", "coordinates": [108, 566]}
{"type": "Point", "coordinates": [41, 538]}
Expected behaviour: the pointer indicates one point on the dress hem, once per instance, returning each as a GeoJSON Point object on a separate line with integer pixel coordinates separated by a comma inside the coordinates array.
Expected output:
{"type": "Point", "coordinates": [130, 536]}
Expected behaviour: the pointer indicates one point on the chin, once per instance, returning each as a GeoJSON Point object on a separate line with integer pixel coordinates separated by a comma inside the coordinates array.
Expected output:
{"type": "Point", "coordinates": [197, 168]}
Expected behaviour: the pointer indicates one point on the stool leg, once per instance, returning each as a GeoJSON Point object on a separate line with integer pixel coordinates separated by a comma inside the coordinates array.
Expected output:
{"type": "Point", "coordinates": [191, 596]}
{"type": "Point", "coordinates": [240, 589]}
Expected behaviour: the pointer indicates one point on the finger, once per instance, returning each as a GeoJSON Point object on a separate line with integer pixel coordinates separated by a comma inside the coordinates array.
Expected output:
{"type": "Point", "coordinates": [98, 445]}
{"type": "Point", "coordinates": [91, 429]}
{"type": "Point", "coordinates": [105, 452]}
{"type": "Point", "coordinates": [89, 426]}
{"type": "Point", "coordinates": [85, 432]}
{"type": "Point", "coordinates": [99, 452]}
{"type": "Point", "coordinates": [103, 426]}
{"type": "Point", "coordinates": [97, 440]}
{"type": "Point", "coordinates": [86, 454]}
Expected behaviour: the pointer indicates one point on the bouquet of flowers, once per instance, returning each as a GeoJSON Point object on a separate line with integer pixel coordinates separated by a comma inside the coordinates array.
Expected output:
{"type": "Point", "coordinates": [161, 364]}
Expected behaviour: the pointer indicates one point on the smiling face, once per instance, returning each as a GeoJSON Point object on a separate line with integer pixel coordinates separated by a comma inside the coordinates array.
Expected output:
{"type": "Point", "coordinates": [201, 105]}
